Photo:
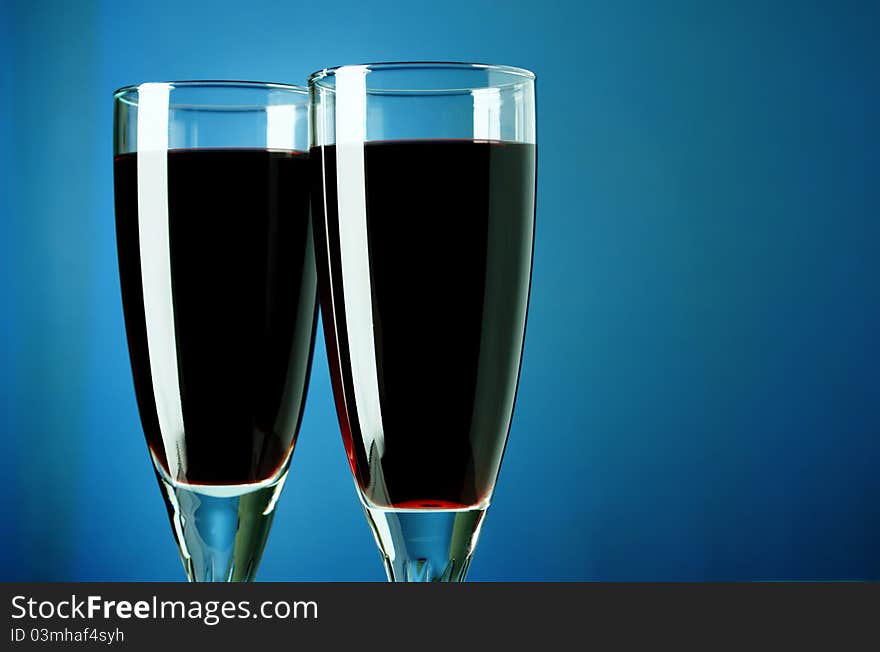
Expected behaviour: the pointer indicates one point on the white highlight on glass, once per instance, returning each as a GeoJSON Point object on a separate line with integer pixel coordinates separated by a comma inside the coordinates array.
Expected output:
{"type": "Point", "coordinates": [487, 113]}
{"type": "Point", "coordinates": [351, 133]}
{"type": "Point", "coordinates": [280, 121]}
{"type": "Point", "coordinates": [152, 197]}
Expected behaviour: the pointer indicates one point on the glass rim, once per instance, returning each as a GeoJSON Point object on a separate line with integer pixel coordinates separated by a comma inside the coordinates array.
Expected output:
{"type": "Point", "coordinates": [318, 76]}
{"type": "Point", "coordinates": [120, 93]}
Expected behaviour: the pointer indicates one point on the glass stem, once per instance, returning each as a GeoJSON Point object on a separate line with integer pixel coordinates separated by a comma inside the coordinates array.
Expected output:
{"type": "Point", "coordinates": [220, 532]}
{"type": "Point", "coordinates": [426, 545]}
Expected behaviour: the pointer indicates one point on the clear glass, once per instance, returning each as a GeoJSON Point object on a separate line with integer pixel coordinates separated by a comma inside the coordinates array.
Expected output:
{"type": "Point", "coordinates": [424, 205]}
{"type": "Point", "coordinates": [216, 263]}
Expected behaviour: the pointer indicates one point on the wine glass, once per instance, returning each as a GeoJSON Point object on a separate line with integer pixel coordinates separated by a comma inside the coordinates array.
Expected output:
{"type": "Point", "coordinates": [423, 206]}
{"type": "Point", "coordinates": [216, 263]}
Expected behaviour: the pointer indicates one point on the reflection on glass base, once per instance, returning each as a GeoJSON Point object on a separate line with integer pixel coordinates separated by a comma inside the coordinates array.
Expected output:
{"type": "Point", "coordinates": [426, 545]}
{"type": "Point", "coordinates": [221, 531]}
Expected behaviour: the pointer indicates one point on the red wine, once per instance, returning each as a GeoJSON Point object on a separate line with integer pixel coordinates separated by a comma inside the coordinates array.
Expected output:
{"type": "Point", "coordinates": [242, 285]}
{"type": "Point", "coordinates": [424, 268]}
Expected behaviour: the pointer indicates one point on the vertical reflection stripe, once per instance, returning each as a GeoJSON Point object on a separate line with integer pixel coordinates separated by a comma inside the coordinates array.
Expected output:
{"type": "Point", "coordinates": [152, 184]}
{"type": "Point", "coordinates": [487, 113]}
{"type": "Point", "coordinates": [351, 128]}
{"type": "Point", "coordinates": [280, 126]}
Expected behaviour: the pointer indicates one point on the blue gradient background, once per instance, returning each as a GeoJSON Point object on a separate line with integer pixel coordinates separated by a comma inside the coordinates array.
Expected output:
{"type": "Point", "coordinates": [700, 388]}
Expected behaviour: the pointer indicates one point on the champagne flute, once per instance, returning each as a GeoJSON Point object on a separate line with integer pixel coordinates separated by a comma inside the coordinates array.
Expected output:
{"type": "Point", "coordinates": [423, 205]}
{"type": "Point", "coordinates": [216, 264]}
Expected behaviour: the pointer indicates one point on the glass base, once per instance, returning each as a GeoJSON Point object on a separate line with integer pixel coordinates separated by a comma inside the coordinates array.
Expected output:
{"type": "Point", "coordinates": [221, 530]}
{"type": "Point", "coordinates": [426, 545]}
